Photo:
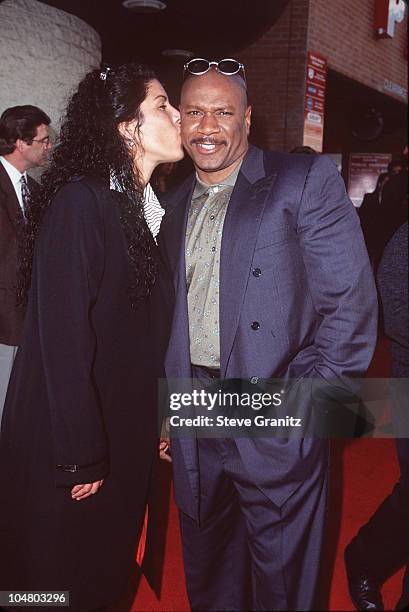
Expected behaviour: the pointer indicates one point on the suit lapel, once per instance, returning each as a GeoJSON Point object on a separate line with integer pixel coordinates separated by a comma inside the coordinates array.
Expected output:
{"type": "Point", "coordinates": [177, 361]}
{"type": "Point", "coordinates": [173, 229]}
{"type": "Point", "coordinates": [10, 201]}
{"type": "Point", "coordinates": [240, 233]}
{"type": "Point", "coordinates": [173, 243]}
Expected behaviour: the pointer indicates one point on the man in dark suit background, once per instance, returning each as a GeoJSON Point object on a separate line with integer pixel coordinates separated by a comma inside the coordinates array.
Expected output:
{"type": "Point", "coordinates": [272, 279]}
{"type": "Point", "coordinates": [370, 213]}
{"type": "Point", "coordinates": [24, 144]}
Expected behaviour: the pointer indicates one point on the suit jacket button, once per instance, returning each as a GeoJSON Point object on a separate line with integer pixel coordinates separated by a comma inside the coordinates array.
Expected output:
{"type": "Point", "coordinates": [257, 272]}
{"type": "Point", "coordinates": [255, 325]}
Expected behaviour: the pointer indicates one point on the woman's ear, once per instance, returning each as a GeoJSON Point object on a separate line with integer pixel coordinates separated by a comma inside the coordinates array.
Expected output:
{"type": "Point", "coordinates": [125, 129]}
{"type": "Point", "coordinates": [129, 131]}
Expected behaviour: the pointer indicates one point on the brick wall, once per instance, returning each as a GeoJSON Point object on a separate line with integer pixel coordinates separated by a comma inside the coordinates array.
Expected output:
{"type": "Point", "coordinates": [275, 69]}
{"type": "Point", "coordinates": [44, 53]}
{"type": "Point", "coordinates": [344, 33]}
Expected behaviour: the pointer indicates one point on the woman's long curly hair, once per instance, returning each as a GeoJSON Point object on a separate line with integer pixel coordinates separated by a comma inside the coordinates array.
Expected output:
{"type": "Point", "coordinates": [90, 143]}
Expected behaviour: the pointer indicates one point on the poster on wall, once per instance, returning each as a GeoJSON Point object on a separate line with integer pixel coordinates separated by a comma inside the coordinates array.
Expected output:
{"type": "Point", "coordinates": [364, 169]}
{"type": "Point", "coordinates": [314, 108]}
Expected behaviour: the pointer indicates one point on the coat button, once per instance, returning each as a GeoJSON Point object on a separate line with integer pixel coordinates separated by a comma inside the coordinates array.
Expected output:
{"type": "Point", "coordinates": [255, 325]}
{"type": "Point", "coordinates": [257, 272]}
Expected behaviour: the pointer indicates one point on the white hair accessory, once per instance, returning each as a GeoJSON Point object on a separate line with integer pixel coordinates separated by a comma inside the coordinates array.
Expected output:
{"type": "Point", "coordinates": [104, 73]}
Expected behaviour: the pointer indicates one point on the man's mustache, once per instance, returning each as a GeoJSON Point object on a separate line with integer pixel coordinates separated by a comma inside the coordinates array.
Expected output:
{"type": "Point", "coordinates": [207, 141]}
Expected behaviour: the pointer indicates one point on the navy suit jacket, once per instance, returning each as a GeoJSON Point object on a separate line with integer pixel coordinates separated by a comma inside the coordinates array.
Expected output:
{"type": "Point", "coordinates": [315, 300]}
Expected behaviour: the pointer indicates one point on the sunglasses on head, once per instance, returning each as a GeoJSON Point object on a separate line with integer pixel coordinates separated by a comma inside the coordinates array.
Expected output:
{"type": "Point", "coordinates": [199, 66]}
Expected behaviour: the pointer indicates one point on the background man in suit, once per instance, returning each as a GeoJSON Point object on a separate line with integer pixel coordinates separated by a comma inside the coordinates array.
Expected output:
{"type": "Point", "coordinates": [272, 279]}
{"type": "Point", "coordinates": [24, 144]}
{"type": "Point", "coordinates": [370, 215]}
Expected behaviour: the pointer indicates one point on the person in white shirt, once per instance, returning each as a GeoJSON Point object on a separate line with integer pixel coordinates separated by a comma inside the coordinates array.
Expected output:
{"type": "Point", "coordinates": [24, 144]}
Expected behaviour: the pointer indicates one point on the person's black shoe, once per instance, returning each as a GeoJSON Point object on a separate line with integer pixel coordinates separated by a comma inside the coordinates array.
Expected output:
{"type": "Point", "coordinates": [363, 588]}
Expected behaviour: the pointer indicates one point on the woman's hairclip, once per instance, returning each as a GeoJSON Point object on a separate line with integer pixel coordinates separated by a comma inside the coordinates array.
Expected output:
{"type": "Point", "coordinates": [104, 73]}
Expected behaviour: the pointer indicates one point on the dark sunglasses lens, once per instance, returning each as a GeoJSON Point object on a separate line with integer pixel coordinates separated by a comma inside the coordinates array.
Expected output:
{"type": "Point", "coordinates": [229, 66]}
{"type": "Point", "coordinates": [198, 66]}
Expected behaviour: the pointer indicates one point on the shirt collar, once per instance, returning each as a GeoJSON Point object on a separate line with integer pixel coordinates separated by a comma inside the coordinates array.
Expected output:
{"type": "Point", "coordinates": [229, 181]}
{"type": "Point", "coordinates": [14, 174]}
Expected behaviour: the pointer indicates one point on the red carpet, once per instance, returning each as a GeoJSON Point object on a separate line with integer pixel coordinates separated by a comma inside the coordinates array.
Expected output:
{"type": "Point", "coordinates": [363, 473]}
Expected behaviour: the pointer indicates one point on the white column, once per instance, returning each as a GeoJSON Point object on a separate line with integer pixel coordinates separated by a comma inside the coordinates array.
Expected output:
{"type": "Point", "coordinates": [44, 53]}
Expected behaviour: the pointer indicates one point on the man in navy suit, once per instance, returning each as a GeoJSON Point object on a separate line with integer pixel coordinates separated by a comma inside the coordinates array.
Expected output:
{"type": "Point", "coordinates": [272, 279]}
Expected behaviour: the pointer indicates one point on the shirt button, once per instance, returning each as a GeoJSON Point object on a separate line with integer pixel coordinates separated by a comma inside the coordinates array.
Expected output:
{"type": "Point", "coordinates": [254, 380]}
{"type": "Point", "coordinates": [255, 325]}
{"type": "Point", "coordinates": [257, 272]}
{"type": "Point", "coordinates": [214, 249]}
{"type": "Point", "coordinates": [211, 217]}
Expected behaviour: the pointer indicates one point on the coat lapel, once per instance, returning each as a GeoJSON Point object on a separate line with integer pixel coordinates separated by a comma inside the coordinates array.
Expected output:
{"type": "Point", "coordinates": [10, 201]}
{"type": "Point", "coordinates": [173, 244]}
{"type": "Point", "coordinates": [173, 230]}
{"type": "Point", "coordinates": [177, 361]}
{"type": "Point", "coordinates": [240, 233]}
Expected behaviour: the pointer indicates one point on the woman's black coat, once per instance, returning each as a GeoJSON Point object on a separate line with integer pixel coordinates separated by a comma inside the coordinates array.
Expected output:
{"type": "Point", "coordinates": [83, 393]}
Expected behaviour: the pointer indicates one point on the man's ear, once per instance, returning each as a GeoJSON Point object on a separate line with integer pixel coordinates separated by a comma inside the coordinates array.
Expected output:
{"type": "Point", "coordinates": [247, 119]}
{"type": "Point", "coordinates": [20, 145]}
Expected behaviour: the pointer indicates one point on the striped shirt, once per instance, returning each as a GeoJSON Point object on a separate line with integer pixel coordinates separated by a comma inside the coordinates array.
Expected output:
{"type": "Point", "coordinates": [152, 209]}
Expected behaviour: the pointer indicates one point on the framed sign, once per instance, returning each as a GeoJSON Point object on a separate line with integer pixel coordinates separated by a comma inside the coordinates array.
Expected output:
{"type": "Point", "coordinates": [364, 169]}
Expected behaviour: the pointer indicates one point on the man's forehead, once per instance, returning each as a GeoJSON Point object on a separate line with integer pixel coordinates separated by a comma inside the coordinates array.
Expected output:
{"type": "Point", "coordinates": [213, 86]}
{"type": "Point", "coordinates": [210, 98]}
